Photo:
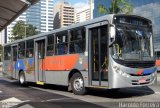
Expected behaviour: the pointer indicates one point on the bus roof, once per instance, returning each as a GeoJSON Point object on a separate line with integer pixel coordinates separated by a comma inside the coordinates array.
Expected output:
{"type": "Point", "coordinates": [108, 18]}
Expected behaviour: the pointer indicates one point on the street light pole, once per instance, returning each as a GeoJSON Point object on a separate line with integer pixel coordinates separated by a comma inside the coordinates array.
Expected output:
{"type": "Point", "coordinates": [25, 28]}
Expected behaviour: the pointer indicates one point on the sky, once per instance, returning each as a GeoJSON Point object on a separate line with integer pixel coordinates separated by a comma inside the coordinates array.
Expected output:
{"type": "Point", "coordinates": [78, 4]}
{"type": "Point", "coordinates": [77, 1]}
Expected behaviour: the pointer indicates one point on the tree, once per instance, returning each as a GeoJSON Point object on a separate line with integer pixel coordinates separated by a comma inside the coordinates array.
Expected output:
{"type": "Point", "coordinates": [116, 6]}
{"type": "Point", "coordinates": [22, 30]}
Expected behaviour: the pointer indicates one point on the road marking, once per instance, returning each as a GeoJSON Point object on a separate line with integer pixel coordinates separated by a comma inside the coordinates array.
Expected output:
{"type": "Point", "coordinates": [56, 99]}
{"type": "Point", "coordinates": [0, 91]}
{"type": "Point", "coordinates": [157, 92]}
{"type": "Point", "coordinates": [11, 102]}
{"type": "Point", "coordinates": [26, 106]}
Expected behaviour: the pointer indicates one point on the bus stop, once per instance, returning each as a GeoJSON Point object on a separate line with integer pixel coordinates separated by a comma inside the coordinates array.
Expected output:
{"type": "Point", "coordinates": [11, 9]}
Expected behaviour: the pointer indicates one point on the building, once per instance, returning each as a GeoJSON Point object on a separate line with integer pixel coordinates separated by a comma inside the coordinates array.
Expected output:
{"type": "Point", "coordinates": [63, 14]}
{"type": "Point", "coordinates": [146, 8]}
{"type": "Point", "coordinates": [86, 13]}
{"type": "Point", "coordinates": [39, 15]}
{"type": "Point", "coordinates": [83, 15]}
{"type": "Point", "coordinates": [46, 20]}
{"type": "Point", "coordinates": [2, 35]}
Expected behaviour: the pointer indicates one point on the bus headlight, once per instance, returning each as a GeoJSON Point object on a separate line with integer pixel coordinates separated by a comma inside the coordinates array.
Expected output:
{"type": "Point", "coordinates": [119, 71]}
{"type": "Point", "coordinates": [153, 74]}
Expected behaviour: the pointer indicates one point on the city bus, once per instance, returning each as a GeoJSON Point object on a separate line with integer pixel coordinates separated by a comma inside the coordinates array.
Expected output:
{"type": "Point", "coordinates": [110, 52]}
{"type": "Point", "coordinates": [157, 54]}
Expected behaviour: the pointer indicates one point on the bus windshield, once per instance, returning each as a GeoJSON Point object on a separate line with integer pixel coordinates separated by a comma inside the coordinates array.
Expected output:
{"type": "Point", "coordinates": [133, 43]}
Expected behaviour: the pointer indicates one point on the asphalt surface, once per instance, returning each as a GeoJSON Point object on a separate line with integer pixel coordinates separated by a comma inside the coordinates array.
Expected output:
{"type": "Point", "coordinates": [24, 97]}
{"type": "Point", "coordinates": [51, 96]}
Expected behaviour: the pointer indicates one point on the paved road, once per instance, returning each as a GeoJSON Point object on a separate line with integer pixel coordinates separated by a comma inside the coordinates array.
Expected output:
{"type": "Point", "coordinates": [11, 94]}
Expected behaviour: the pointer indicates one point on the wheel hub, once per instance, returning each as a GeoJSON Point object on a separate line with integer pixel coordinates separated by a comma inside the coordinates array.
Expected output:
{"type": "Point", "coordinates": [78, 84]}
{"type": "Point", "coordinates": [21, 79]}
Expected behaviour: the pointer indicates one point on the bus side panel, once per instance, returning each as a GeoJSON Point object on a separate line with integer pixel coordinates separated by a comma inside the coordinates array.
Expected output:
{"type": "Point", "coordinates": [7, 68]}
{"type": "Point", "coordinates": [158, 64]}
{"type": "Point", "coordinates": [61, 77]}
{"type": "Point", "coordinates": [57, 77]}
{"type": "Point", "coordinates": [26, 65]}
{"type": "Point", "coordinates": [30, 69]}
{"type": "Point", "coordinates": [58, 68]}
{"type": "Point", "coordinates": [62, 62]}
{"type": "Point", "coordinates": [14, 72]}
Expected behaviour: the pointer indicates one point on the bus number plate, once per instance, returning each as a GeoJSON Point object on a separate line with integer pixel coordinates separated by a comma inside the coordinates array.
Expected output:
{"type": "Point", "coordinates": [141, 80]}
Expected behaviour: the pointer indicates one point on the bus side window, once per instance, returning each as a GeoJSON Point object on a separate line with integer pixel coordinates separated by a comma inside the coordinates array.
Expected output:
{"type": "Point", "coordinates": [62, 43]}
{"type": "Point", "coordinates": [21, 50]}
{"type": "Point", "coordinates": [77, 40]}
{"type": "Point", "coordinates": [50, 45]}
{"type": "Point", "coordinates": [30, 48]}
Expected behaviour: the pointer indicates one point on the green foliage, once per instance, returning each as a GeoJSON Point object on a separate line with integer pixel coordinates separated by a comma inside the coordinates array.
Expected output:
{"type": "Point", "coordinates": [22, 30]}
{"type": "Point", "coordinates": [102, 10]}
{"type": "Point", "coordinates": [117, 6]}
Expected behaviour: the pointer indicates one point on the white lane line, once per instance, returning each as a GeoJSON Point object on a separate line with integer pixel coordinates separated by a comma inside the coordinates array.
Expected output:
{"type": "Point", "coordinates": [157, 92]}
{"type": "Point", "coordinates": [13, 99]}
{"type": "Point", "coordinates": [11, 102]}
{"type": "Point", "coordinates": [26, 106]}
{"type": "Point", "coordinates": [56, 99]}
{"type": "Point", "coordinates": [0, 91]}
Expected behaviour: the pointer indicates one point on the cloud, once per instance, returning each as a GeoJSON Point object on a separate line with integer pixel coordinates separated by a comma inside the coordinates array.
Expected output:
{"type": "Point", "coordinates": [80, 6]}
{"type": "Point", "coordinates": [152, 12]}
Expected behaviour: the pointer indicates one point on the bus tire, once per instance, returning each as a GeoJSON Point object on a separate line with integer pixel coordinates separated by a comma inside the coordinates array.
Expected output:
{"type": "Point", "coordinates": [22, 79]}
{"type": "Point", "coordinates": [77, 84]}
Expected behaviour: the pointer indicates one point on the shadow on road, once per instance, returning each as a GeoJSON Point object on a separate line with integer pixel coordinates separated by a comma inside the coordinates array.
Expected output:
{"type": "Point", "coordinates": [119, 94]}
{"type": "Point", "coordinates": [122, 93]}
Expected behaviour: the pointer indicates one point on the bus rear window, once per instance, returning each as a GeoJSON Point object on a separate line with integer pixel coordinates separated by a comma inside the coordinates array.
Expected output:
{"type": "Point", "coordinates": [7, 52]}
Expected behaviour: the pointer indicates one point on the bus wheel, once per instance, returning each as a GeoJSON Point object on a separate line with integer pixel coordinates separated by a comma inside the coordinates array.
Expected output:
{"type": "Point", "coordinates": [77, 84]}
{"type": "Point", "coordinates": [22, 79]}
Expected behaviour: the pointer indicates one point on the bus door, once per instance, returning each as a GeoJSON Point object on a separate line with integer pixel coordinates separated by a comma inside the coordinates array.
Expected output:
{"type": "Point", "coordinates": [14, 60]}
{"type": "Point", "coordinates": [39, 59]}
{"type": "Point", "coordinates": [98, 55]}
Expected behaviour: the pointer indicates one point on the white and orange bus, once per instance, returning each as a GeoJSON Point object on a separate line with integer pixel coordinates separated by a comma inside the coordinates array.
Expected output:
{"type": "Point", "coordinates": [157, 53]}
{"type": "Point", "coordinates": [111, 52]}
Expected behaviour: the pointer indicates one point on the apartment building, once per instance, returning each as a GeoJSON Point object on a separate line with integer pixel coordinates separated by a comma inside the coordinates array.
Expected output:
{"type": "Point", "coordinates": [63, 14]}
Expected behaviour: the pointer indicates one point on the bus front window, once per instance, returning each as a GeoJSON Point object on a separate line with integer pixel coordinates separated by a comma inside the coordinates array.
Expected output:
{"type": "Point", "coordinates": [133, 43]}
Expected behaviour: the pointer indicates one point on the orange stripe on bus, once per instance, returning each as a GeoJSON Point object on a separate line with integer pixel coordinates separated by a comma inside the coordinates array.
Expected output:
{"type": "Point", "coordinates": [157, 62]}
{"type": "Point", "coordinates": [62, 62]}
